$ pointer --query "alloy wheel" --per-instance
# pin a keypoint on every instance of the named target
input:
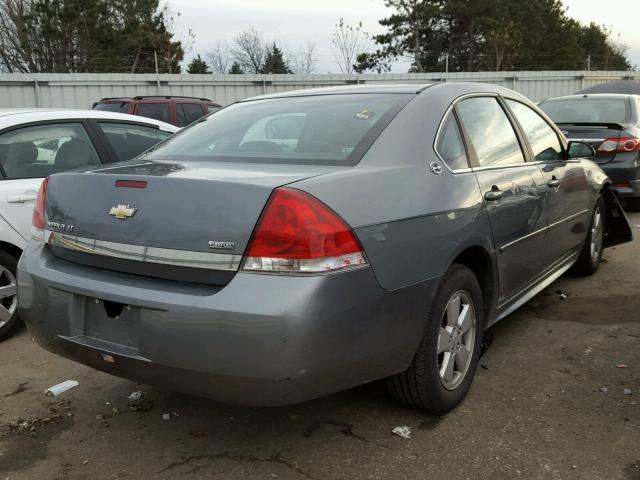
(456, 339)
(8, 295)
(596, 234)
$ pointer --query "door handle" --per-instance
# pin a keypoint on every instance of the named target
(494, 194)
(553, 183)
(21, 198)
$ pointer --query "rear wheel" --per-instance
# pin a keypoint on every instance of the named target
(9, 320)
(443, 368)
(591, 254)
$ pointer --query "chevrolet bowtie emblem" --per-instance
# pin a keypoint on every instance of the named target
(122, 212)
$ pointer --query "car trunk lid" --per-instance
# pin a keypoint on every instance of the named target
(594, 134)
(187, 222)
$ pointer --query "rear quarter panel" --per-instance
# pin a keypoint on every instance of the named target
(412, 223)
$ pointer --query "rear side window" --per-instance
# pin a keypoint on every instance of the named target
(490, 132)
(212, 108)
(34, 152)
(318, 129)
(128, 140)
(158, 111)
(188, 113)
(588, 110)
(119, 107)
(542, 138)
(450, 146)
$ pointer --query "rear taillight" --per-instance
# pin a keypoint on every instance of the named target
(39, 221)
(297, 233)
(619, 145)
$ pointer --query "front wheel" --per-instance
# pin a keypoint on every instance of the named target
(443, 368)
(9, 320)
(591, 254)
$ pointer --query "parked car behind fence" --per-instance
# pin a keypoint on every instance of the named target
(179, 111)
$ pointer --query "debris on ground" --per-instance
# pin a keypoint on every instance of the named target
(60, 388)
(136, 396)
(621, 365)
(346, 427)
(484, 367)
(604, 390)
(166, 416)
(627, 391)
(487, 340)
(99, 417)
(561, 294)
(402, 431)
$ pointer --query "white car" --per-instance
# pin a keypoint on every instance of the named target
(35, 143)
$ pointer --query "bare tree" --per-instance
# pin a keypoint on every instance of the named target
(13, 45)
(249, 50)
(303, 60)
(349, 42)
(219, 59)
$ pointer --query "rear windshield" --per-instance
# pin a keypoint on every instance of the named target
(121, 107)
(588, 110)
(320, 129)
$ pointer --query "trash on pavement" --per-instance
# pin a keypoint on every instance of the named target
(604, 389)
(621, 365)
(402, 431)
(60, 388)
(166, 416)
(627, 391)
(561, 294)
(135, 396)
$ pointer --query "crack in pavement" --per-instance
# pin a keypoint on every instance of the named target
(237, 457)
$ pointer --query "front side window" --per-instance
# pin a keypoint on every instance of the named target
(450, 146)
(542, 138)
(35, 152)
(490, 132)
(318, 129)
(188, 113)
(158, 111)
(128, 140)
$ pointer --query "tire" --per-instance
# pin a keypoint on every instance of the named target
(422, 386)
(591, 254)
(9, 318)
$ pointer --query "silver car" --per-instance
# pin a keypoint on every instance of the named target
(298, 244)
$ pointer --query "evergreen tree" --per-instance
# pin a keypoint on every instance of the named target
(198, 65)
(489, 35)
(87, 36)
(236, 69)
(274, 62)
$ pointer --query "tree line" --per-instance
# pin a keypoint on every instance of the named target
(139, 36)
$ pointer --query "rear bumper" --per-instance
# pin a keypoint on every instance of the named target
(260, 340)
(624, 174)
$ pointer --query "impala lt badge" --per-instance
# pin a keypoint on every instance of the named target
(222, 245)
(122, 212)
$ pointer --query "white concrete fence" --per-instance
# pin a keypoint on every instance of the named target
(80, 90)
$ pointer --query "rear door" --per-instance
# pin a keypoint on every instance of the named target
(156, 110)
(188, 112)
(565, 182)
(513, 192)
(30, 153)
(128, 140)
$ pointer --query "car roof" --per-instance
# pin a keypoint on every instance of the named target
(18, 116)
(618, 86)
(582, 96)
(345, 89)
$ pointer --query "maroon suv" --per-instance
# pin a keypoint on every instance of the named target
(179, 111)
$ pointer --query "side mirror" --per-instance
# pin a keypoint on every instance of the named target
(580, 150)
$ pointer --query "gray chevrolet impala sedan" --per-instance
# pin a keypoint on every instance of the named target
(297, 244)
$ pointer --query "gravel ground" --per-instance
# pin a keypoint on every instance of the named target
(538, 409)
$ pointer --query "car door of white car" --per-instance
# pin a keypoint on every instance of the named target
(30, 153)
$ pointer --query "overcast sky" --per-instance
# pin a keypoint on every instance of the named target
(294, 22)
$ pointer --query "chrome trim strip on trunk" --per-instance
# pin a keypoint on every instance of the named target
(141, 253)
